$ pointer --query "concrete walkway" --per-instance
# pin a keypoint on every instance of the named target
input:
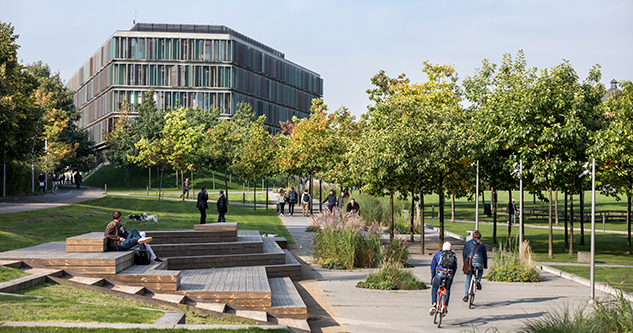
(66, 195)
(502, 305)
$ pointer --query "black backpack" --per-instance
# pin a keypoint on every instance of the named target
(141, 257)
(293, 196)
(306, 197)
(448, 259)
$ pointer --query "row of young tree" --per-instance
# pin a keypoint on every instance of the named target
(37, 120)
(417, 138)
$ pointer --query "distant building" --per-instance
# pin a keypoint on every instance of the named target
(202, 66)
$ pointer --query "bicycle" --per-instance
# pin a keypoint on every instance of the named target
(472, 289)
(440, 306)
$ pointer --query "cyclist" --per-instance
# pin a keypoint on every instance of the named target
(443, 265)
(479, 259)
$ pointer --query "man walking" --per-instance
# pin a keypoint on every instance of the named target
(185, 188)
(202, 204)
(78, 180)
(512, 208)
(222, 207)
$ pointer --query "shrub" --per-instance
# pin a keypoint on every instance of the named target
(342, 242)
(509, 267)
(396, 252)
(376, 210)
(614, 315)
(402, 224)
(392, 277)
(565, 320)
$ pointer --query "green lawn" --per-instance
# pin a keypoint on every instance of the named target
(24, 229)
(239, 197)
(8, 274)
(610, 248)
(617, 277)
(130, 330)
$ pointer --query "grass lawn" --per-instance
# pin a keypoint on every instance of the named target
(8, 274)
(130, 330)
(610, 248)
(24, 229)
(617, 277)
(240, 197)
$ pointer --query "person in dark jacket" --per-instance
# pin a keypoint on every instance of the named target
(203, 197)
(353, 206)
(512, 208)
(331, 200)
(440, 270)
(42, 183)
(222, 207)
(78, 180)
(480, 260)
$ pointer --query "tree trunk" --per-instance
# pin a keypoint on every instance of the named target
(226, 188)
(182, 188)
(582, 216)
(160, 186)
(441, 210)
(320, 195)
(266, 190)
(452, 207)
(150, 178)
(421, 212)
(571, 222)
(550, 242)
(127, 177)
(510, 218)
(392, 221)
(483, 199)
(254, 196)
(556, 205)
(192, 175)
(213, 180)
(412, 210)
(534, 200)
(565, 219)
(230, 176)
(628, 223)
(176, 178)
(248, 185)
(494, 214)
(311, 197)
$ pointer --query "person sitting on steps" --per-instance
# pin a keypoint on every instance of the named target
(120, 239)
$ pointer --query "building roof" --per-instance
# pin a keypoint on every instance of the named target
(195, 28)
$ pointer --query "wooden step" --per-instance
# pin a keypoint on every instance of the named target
(215, 307)
(285, 299)
(252, 314)
(241, 286)
(242, 245)
(90, 242)
(282, 242)
(150, 276)
(173, 298)
(92, 281)
(291, 268)
(11, 263)
(226, 226)
(297, 325)
(37, 276)
(134, 290)
(272, 255)
(191, 236)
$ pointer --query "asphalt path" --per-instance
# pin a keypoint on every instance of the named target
(66, 195)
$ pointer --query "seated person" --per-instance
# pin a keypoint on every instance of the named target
(120, 239)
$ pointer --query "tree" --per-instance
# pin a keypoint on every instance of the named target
(613, 149)
(121, 141)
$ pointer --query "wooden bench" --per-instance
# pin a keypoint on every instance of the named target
(225, 226)
(90, 242)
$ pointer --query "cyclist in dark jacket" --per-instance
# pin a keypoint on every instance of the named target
(441, 270)
(480, 260)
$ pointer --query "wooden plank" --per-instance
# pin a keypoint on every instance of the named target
(226, 226)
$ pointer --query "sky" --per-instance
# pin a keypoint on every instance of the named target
(348, 42)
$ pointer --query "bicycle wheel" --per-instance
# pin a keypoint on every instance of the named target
(441, 307)
(471, 293)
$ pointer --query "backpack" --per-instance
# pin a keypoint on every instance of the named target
(141, 257)
(293, 196)
(448, 259)
(306, 197)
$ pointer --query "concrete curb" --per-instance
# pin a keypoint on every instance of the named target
(141, 326)
(599, 286)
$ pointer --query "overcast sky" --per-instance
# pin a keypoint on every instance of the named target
(347, 42)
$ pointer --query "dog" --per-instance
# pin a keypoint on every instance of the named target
(143, 217)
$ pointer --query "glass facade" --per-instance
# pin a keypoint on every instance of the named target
(206, 67)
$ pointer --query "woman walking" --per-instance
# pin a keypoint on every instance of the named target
(281, 202)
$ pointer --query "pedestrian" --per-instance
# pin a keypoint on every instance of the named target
(306, 199)
(78, 180)
(292, 200)
(331, 200)
(353, 206)
(476, 251)
(54, 181)
(185, 188)
(342, 200)
(222, 207)
(203, 197)
(42, 183)
(281, 202)
(512, 208)
(443, 265)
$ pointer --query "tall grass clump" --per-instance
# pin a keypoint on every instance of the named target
(341, 242)
(392, 275)
(614, 315)
(509, 266)
(376, 210)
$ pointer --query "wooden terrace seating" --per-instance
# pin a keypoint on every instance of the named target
(90, 242)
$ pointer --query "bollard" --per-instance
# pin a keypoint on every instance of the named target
(243, 197)
(106, 188)
(602, 222)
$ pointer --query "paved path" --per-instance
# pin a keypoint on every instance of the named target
(502, 305)
(66, 195)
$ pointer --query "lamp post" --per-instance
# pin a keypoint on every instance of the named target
(518, 170)
(476, 197)
(592, 274)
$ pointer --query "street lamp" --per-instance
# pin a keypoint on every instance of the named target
(518, 170)
(592, 274)
(476, 197)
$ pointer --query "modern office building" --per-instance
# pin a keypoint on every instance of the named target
(195, 66)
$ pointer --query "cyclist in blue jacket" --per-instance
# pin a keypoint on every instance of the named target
(444, 264)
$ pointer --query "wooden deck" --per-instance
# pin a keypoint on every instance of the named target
(153, 276)
(191, 236)
(90, 242)
(291, 268)
(54, 255)
(286, 300)
(226, 226)
(240, 286)
(244, 244)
